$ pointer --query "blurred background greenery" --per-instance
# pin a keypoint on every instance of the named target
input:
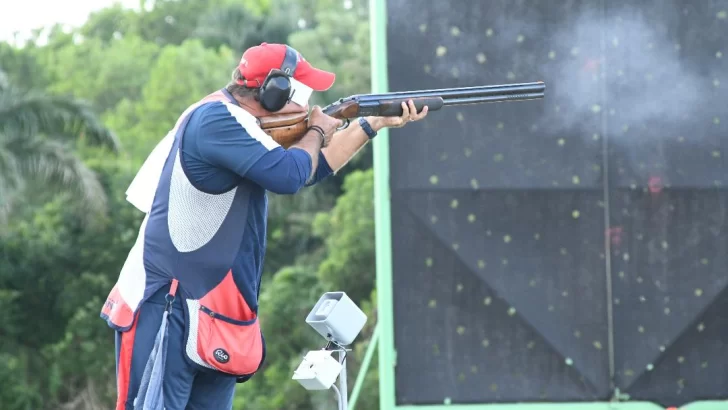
(80, 111)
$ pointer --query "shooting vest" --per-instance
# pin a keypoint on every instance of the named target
(189, 239)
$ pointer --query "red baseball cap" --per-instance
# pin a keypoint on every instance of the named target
(257, 62)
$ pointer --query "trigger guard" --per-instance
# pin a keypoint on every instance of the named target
(345, 126)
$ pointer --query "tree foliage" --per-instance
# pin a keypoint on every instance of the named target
(105, 72)
(133, 72)
(37, 133)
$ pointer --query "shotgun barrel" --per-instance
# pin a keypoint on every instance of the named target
(535, 89)
(389, 104)
(494, 98)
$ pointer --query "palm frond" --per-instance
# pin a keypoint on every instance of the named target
(33, 113)
(52, 166)
(10, 181)
(4, 81)
(9, 169)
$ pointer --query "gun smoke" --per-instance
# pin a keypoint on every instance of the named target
(627, 68)
(626, 64)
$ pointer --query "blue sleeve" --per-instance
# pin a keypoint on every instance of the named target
(322, 171)
(267, 175)
(228, 137)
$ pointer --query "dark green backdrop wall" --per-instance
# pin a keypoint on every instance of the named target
(558, 250)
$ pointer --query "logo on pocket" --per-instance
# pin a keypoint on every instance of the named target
(221, 355)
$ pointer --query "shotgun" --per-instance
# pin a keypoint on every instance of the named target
(287, 129)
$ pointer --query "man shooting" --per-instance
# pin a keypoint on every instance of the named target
(185, 305)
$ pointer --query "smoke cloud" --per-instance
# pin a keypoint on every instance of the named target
(627, 67)
(623, 67)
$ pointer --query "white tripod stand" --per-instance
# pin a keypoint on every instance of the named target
(338, 320)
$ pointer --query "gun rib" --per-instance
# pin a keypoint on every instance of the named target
(498, 91)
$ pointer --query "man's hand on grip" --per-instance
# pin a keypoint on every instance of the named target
(326, 123)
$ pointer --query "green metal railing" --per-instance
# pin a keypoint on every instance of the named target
(361, 377)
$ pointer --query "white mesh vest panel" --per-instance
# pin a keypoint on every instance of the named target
(191, 344)
(194, 216)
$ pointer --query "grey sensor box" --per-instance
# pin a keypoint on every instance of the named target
(337, 318)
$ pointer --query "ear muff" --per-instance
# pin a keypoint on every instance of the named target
(275, 92)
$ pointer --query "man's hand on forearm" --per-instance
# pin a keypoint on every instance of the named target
(348, 142)
(322, 128)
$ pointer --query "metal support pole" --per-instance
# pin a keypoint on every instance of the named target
(343, 390)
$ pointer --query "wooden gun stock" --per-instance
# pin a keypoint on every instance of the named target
(288, 129)
(285, 129)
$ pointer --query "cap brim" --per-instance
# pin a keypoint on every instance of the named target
(318, 80)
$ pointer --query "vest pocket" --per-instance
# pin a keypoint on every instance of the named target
(222, 343)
